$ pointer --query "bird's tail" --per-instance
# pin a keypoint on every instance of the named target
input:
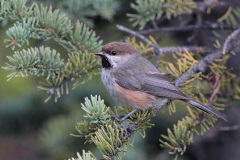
(206, 109)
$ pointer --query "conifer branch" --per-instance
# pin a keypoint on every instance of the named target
(231, 37)
(151, 10)
(203, 63)
(163, 50)
(214, 26)
(39, 62)
(40, 22)
(44, 23)
(87, 10)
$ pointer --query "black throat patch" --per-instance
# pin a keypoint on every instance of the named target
(105, 63)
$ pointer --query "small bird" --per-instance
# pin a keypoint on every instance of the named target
(136, 82)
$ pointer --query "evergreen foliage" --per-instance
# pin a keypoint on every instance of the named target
(36, 61)
(104, 131)
(86, 10)
(40, 22)
(206, 78)
(151, 10)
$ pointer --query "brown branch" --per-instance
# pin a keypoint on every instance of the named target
(184, 48)
(136, 34)
(163, 50)
(231, 37)
(214, 26)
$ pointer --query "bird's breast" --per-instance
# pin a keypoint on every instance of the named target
(132, 98)
(108, 81)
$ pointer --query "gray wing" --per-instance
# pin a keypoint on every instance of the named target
(152, 83)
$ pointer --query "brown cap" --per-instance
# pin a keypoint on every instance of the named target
(120, 48)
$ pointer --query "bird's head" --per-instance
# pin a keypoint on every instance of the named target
(116, 53)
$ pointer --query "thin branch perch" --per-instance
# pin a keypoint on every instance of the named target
(163, 50)
(214, 26)
(228, 39)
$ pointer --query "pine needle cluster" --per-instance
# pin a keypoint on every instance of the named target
(44, 23)
(204, 77)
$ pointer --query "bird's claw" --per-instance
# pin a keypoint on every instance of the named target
(116, 118)
(122, 118)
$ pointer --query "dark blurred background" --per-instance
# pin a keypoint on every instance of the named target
(32, 129)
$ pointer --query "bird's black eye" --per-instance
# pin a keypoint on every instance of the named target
(114, 53)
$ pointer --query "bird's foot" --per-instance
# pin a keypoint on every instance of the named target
(122, 118)
(116, 118)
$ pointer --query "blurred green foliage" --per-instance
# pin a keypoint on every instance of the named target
(22, 108)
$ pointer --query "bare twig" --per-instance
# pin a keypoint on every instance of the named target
(145, 39)
(214, 26)
(185, 48)
(228, 39)
(163, 50)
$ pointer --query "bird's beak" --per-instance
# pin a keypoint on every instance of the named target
(99, 54)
